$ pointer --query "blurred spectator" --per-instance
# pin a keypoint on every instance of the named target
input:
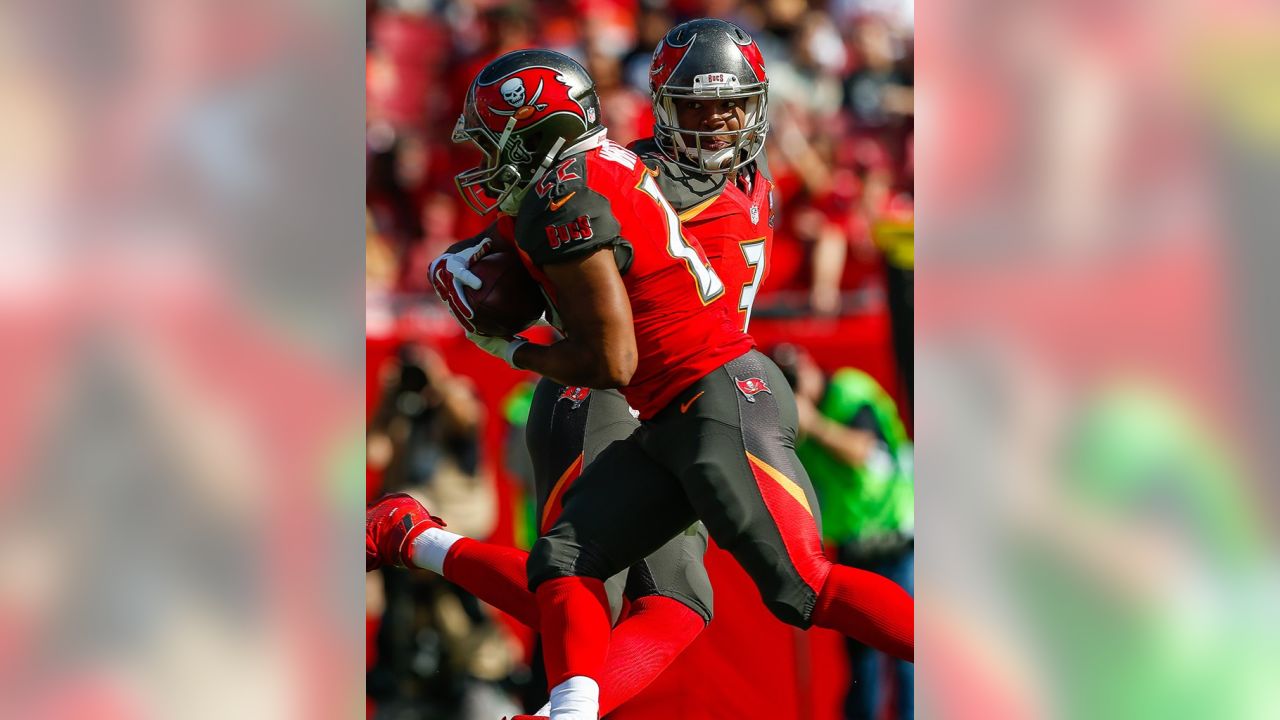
(899, 14)
(624, 110)
(515, 411)
(856, 451)
(837, 161)
(428, 419)
(841, 106)
(380, 262)
(894, 234)
(438, 651)
(652, 24)
(807, 76)
(877, 92)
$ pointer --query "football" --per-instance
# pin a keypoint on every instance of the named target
(509, 299)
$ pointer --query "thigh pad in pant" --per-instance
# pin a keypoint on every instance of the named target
(568, 429)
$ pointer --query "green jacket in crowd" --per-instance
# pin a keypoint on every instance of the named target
(861, 502)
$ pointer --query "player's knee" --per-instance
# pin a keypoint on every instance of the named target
(693, 599)
(686, 604)
(554, 556)
(790, 613)
(704, 607)
(544, 563)
(793, 606)
(792, 591)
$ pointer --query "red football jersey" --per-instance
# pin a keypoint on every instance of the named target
(606, 197)
(734, 227)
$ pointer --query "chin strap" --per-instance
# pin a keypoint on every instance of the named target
(511, 203)
(714, 162)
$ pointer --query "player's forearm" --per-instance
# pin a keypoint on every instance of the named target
(599, 349)
(848, 445)
(828, 263)
(571, 363)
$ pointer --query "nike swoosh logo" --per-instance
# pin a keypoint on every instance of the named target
(557, 204)
(684, 406)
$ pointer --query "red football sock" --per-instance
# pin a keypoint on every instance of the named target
(644, 644)
(869, 608)
(495, 574)
(575, 628)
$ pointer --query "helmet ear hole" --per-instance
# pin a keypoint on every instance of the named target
(533, 139)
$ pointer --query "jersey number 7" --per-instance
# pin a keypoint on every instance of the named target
(753, 251)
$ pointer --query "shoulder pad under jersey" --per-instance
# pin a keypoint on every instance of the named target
(681, 188)
(563, 218)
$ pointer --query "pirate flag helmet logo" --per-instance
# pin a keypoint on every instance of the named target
(523, 111)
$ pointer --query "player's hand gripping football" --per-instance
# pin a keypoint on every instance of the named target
(450, 272)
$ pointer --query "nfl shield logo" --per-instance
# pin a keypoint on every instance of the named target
(755, 214)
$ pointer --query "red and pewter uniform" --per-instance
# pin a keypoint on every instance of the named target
(606, 197)
(718, 441)
(734, 227)
(568, 427)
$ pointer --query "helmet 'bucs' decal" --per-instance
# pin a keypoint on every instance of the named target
(671, 50)
(752, 387)
(530, 95)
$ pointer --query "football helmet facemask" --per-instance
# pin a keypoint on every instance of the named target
(709, 59)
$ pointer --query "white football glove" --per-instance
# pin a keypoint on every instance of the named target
(450, 272)
(501, 348)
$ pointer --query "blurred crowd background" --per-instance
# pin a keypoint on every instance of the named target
(181, 306)
(840, 150)
(446, 423)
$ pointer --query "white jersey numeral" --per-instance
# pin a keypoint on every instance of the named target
(710, 286)
(753, 252)
(611, 150)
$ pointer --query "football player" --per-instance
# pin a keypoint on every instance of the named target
(712, 129)
(668, 594)
(706, 154)
(638, 303)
